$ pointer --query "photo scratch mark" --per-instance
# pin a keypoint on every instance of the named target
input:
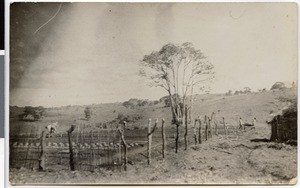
(49, 19)
(237, 17)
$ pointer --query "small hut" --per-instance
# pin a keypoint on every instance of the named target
(284, 125)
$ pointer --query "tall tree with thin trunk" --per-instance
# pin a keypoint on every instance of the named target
(180, 70)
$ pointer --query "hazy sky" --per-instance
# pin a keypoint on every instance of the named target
(90, 52)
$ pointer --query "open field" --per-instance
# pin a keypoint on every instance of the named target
(247, 106)
(239, 158)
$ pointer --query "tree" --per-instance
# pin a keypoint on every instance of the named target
(166, 100)
(278, 85)
(247, 90)
(133, 103)
(87, 113)
(180, 70)
(228, 93)
(32, 113)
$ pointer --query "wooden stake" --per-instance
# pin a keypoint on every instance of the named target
(206, 128)
(186, 129)
(216, 128)
(163, 134)
(209, 127)
(177, 138)
(149, 136)
(149, 139)
(195, 132)
(42, 165)
(225, 130)
(121, 131)
(199, 133)
(71, 152)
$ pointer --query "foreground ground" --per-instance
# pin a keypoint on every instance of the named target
(242, 158)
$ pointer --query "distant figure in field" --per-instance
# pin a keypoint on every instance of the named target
(240, 123)
(251, 125)
(52, 128)
(254, 122)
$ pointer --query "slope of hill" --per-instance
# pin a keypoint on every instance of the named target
(247, 106)
(238, 158)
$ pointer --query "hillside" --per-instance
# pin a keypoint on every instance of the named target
(247, 106)
(241, 157)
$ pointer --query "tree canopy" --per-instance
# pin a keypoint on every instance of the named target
(32, 113)
(88, 113)
(179, 69)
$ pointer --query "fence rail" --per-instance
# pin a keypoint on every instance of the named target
(91, 150)
(108, 148)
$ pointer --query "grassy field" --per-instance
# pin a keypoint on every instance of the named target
(241, 158)
(247, 106)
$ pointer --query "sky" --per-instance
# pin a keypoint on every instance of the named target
(89, 53)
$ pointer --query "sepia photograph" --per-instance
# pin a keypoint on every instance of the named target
(153, 93)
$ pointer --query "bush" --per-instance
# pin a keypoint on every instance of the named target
(87, 113)
(155, 102)
(129, 119)
(32, 113)
(134, 103)
(278, 85)
(167, 100)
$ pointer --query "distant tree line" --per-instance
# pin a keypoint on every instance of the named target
(239, 92)
(32, 113)
(276, 86)
(135, 103)
(119, 120)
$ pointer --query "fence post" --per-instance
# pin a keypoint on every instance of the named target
(210, 123)
(42, 165)
(186, 129)
(206, 128)
(81, 140)
(163, 134)
(177, 137)
(209, 127)
(195, 131)
(225, 130)
(149, 138)
(71, 148)
(121, 131)
(216, 128)
(120, 145)
(199, 133)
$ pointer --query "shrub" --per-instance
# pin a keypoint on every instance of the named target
(133, 103)
(129, 119)
(32, 113)
(278, 85)
(87, 113)
(167, 100)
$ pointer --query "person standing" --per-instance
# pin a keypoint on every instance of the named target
(241, 123)
(254, 122)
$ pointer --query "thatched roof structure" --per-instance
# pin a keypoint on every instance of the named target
(284, 124)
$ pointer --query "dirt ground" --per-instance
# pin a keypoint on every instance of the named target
(242, 158)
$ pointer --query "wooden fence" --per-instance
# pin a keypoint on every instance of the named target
(108, 148)
(78, 151)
